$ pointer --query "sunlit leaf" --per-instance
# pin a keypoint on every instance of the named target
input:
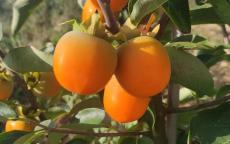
(190, 72)
(6, 111)
(28, 59)
(30, 138)
(91, 116)
(141, 8)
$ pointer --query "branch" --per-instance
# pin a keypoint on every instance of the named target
(85, 133)
(173, 102)
(110, 20)
(206, 105)
(159, 130)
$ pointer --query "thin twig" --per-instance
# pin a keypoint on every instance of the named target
(226, 37)
(86, 133)
(202, 106)
(225, 34)
(110, 19)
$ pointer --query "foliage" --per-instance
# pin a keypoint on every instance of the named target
(75, 118)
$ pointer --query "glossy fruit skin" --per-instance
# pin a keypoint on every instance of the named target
(47, 85)
(83, 63)
(122, 106)
(88, 10)
(6, 89)
(143, 66)
(19, 125)
(116, 5)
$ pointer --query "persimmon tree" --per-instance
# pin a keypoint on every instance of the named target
(128, 72)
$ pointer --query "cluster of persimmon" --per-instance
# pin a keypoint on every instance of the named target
(40, 84)
(84, 64)
(130, 75)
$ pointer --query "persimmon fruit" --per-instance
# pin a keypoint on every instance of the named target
(47, 85)
(88, 10)
(116, 5)
(143, 66)
(6, 89)
(19, 125)
(83, 63)
(122, 106)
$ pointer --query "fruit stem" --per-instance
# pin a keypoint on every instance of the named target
(110, 20)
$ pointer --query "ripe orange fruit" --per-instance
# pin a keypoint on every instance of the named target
(47, 85)
(20, 125)
(143, 66)
(83, 63)
(6, 89)
(116, 5)
(88, 10)
(122, 106)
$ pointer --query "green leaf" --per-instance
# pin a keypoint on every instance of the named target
(47, 123)
(1, 31)
(212, 126)
(88, 103)
(6, 111)
(184, 119)
(30, 138)
(144, 140)
(144, 7)
(178, 11)
(75, 25)
(205, 16)
(78, 141)
(222, 9)
(186, 95)
(130, 5)
(128, 140)
(211, 56)
(55, 111)
(91, 116)
(21, 11)
(55, 138)
(28, 60)
(191, 41)
(182, 137)
(190, 72)
(10, 137)
(223, 91)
